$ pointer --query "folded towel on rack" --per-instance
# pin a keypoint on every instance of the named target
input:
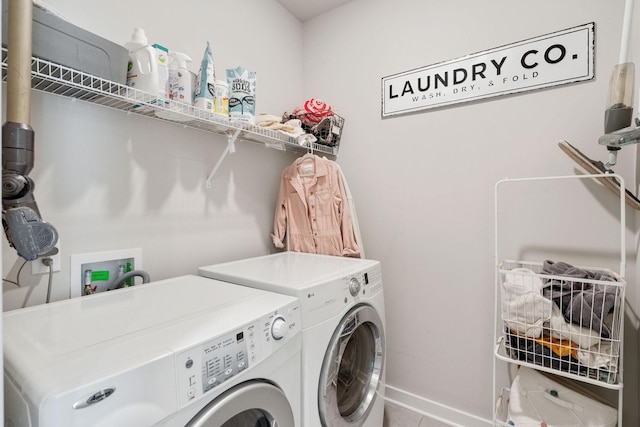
(264, 119)
(291, 127)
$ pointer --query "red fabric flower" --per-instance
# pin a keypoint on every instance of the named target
(313, 111)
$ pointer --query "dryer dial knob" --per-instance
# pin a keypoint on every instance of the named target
(354, 287)
(279, 328)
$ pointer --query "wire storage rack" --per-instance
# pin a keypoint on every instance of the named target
(571, 325)
(562, 319)
(57, 79)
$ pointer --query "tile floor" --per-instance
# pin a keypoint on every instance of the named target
(397, 416)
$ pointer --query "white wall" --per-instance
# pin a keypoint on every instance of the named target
(107, 180)
(423, 183)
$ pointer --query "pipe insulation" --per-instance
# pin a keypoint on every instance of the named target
(19, 61)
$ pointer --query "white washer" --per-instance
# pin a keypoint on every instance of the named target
(343, 341)
(186, 351)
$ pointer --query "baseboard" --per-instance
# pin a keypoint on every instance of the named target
(432, 409)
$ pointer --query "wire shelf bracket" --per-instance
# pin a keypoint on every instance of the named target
(230, 149)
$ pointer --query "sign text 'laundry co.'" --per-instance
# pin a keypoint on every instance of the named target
(551, 60)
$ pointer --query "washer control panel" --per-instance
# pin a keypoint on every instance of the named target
(224, 358)
(205, 367)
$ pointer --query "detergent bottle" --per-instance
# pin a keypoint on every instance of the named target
(162, 59)
(142, 71)
(180, 78)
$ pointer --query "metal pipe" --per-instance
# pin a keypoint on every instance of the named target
(19, 61)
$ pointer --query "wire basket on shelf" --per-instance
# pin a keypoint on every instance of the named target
(569, 323)
(325, 126)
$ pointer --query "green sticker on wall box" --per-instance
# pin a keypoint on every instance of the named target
(100, 276)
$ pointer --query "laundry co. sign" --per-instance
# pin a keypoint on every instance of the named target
(554, 59)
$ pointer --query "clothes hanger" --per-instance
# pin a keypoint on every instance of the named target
(307, 164)
(308, 155)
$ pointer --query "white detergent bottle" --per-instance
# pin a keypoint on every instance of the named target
(181, 90)
(173, 75)
(142, 71)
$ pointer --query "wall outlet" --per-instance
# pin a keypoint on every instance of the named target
(37, 267)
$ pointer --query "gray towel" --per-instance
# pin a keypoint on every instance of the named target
(583, 304)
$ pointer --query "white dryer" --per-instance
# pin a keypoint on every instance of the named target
(186, 351)
(343, 340)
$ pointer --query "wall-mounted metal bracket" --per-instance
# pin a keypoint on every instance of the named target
(231, 148)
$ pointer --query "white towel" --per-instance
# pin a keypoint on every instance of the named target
(580, 336)
(524, 309)
(600, 356)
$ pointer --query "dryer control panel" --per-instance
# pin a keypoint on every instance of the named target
(207, 366)
(364, 282)
(325, 300)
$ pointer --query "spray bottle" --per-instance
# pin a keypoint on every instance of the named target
(180, 78)
(142, 71)
(162, 58)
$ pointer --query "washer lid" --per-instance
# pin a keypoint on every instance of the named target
(67, 326)
(286, 272)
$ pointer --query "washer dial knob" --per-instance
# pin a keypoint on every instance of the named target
(279, 328)
(354, 287)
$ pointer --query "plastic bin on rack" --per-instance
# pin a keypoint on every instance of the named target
(57, 40)
(536, 399)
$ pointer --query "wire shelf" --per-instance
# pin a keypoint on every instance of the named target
(57, 79)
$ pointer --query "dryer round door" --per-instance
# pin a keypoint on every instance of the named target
(352, 368)
(249, 404)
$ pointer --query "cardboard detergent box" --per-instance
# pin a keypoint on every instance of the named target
(63, 43)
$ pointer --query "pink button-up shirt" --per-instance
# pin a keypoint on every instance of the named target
(313, 210)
